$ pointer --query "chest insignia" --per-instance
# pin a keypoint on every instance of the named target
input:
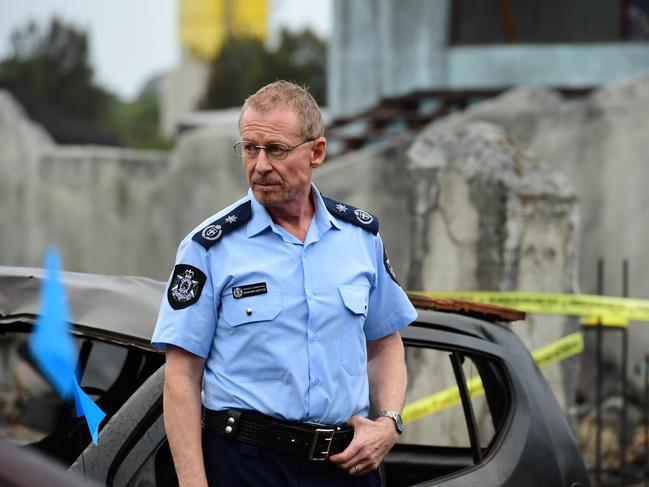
(213, 232)
(353, 215)
(239, 292)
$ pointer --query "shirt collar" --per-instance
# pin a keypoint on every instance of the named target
(323, 218)
(261, 220)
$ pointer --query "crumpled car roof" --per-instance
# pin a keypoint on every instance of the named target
(123, 308)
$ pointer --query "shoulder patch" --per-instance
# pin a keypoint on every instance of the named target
(213, 232)
(186, 286)
(389, 268)
(353, 215)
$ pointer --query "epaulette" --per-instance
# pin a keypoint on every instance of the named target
(213, 232)
(352, 215)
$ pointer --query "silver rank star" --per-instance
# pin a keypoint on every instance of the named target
(231, 219)
(340, 207)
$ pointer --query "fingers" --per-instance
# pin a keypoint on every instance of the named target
(370, 444)
(357, 470)
(345, 459)
(358, 458)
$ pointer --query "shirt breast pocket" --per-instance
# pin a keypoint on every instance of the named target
(264, 307)
(353, 347)
(251, 346)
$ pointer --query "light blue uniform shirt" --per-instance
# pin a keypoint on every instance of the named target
(298, 350)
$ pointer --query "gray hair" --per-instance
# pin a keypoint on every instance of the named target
(294, 96)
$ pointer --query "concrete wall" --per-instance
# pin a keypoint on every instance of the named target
(21, 145)
(108, 210)
(601, 144)
(488, 218)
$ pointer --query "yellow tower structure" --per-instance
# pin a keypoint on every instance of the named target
(204, 25)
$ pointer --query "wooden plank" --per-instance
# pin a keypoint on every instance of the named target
(488, 312)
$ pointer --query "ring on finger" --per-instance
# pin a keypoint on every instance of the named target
(355, 468)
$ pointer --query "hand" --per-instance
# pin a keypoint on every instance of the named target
(372, 442)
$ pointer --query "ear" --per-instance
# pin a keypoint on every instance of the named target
(318, 152)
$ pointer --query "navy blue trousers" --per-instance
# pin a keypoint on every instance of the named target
(229, 463)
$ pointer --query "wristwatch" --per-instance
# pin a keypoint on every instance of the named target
(394, 416)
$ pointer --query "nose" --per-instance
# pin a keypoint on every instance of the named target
(263, 166)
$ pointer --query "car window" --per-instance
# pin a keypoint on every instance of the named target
(442, 421)
(444, 433)
(28, 404)
(430, 372)
(31, 413)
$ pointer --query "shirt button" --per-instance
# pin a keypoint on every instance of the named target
(248, 311)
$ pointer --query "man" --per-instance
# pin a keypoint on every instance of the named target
(284, 310)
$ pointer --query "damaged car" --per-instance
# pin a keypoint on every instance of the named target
(514, 433)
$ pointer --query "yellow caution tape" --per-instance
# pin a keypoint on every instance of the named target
(557, 351)
(560, 350)
(607, 310)
(605, 321)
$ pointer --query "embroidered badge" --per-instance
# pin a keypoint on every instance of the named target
(212, 232)
(239, 292)
(388, 267)
(186, 286)
(353, 215)
(216, 230)
(364, 217)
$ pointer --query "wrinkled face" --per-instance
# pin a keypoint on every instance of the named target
(286, 182)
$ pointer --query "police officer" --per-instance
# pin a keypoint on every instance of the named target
(280, 322)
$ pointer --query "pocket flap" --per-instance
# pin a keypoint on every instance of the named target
(264, 307)
(355, 297)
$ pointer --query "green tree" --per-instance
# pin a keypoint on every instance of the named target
(54, 65)
(301, 57)
(135, 123)
(245, 65)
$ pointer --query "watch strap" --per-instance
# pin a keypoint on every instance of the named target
(394, 416)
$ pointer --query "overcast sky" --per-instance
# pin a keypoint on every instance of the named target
(132, 40)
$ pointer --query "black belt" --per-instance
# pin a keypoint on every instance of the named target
(315, 442)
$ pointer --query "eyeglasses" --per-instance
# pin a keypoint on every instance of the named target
(276, 152)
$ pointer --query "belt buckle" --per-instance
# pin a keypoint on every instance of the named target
(322, 455)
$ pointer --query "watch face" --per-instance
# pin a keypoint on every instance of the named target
(399, 423)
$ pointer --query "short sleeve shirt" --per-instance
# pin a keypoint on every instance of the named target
(283, 324)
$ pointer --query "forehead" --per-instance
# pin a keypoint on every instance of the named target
(276, 122)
